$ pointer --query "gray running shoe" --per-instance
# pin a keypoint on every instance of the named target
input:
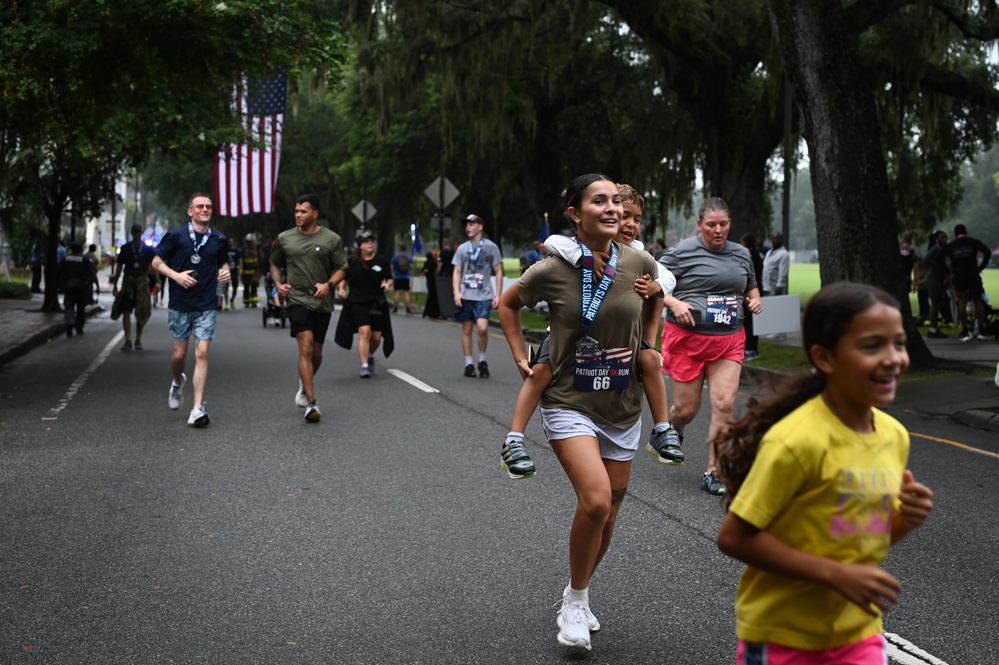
(515, 460)
(712, 485)
(666, 446)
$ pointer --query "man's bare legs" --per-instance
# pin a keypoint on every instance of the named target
(310, 357)
(178, 359)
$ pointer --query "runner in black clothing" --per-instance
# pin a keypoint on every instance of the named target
(966, 278)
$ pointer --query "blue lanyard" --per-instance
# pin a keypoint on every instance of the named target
(473, 256)
(592, 300)
(190, 231)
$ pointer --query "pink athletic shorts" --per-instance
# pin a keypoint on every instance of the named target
(870, 651)
(685, 352)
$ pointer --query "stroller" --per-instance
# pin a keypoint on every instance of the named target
(275, 310)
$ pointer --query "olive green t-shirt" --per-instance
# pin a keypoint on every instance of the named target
(618, 325)
(309, 259)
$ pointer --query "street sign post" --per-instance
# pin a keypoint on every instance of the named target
(441, 192)
(364, 211)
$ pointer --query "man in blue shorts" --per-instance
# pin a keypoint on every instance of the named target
(474, 263)
(196, 260)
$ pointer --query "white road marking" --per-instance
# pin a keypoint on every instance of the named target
(413, 381)
(905, 652)
(82, 379)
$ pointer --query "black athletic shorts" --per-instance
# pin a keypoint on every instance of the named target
(968, 283)
(302, 318)
(366, 314)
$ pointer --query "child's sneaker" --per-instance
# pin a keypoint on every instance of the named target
(515, 460)
(665, 445)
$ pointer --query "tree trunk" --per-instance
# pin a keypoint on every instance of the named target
(855, 218)
(51, 302)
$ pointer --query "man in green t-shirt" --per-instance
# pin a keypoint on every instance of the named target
(314, 259)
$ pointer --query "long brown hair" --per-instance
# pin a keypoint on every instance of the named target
(828, 316)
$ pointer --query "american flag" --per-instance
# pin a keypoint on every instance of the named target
(246, 175)
(621, 356)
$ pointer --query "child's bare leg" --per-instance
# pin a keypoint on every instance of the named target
(654, 385)
(529, 397)
(514, 457)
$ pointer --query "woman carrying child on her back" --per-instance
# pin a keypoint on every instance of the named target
(818, 490)
(592, 409)
(664, 441)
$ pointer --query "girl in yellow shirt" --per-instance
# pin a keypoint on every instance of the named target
(818, 490)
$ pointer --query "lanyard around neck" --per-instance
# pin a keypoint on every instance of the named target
(592, 300)
(194, 241)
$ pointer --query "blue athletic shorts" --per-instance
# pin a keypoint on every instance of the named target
(473, 309)
(185, 324)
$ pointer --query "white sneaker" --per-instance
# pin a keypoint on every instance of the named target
(176, 397)
(591, 620)
(312, 414)
(199, 417)
(573, 630)
(997, 375)
(300, 398)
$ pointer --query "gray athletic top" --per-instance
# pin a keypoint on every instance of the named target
(476, 263)
(712, 283)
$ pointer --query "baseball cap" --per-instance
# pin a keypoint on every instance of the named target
(473, 218)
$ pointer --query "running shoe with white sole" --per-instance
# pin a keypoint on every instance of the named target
(300, 399)
(176, 397)
(591, 619)
(573, 629)
(199, 417)
(312, 414)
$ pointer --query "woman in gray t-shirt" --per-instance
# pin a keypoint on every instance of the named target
(703, 337)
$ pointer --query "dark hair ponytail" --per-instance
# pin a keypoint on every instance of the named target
(828, 316)
(738, 443)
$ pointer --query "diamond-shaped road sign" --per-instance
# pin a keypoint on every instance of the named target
(434, 193)
(361, 208)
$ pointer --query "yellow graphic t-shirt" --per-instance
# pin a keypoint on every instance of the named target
(821, 488)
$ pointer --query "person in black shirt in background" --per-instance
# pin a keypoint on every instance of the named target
(366, 311)
(966, 276)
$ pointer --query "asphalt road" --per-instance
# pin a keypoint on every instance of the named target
(387, 533)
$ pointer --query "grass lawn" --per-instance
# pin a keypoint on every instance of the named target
(803, 279)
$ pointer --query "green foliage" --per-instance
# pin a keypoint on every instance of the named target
(14, 290)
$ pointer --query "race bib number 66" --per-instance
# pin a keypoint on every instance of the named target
(602, 369)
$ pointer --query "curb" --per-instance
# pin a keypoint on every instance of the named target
(979, 419)
(41, 337)
(762, 377)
